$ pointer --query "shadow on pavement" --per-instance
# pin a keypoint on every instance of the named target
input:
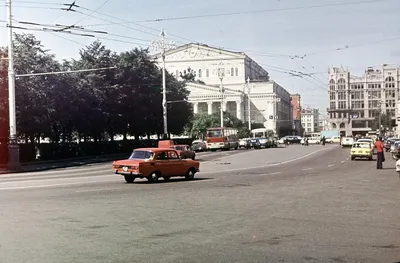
(173, 180)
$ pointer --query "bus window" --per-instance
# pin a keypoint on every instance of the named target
(214, 133)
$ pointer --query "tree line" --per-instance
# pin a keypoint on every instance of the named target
(96, 105)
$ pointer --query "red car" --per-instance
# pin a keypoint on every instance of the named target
(153, 163)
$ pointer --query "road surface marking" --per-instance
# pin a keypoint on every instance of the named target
(275, 173)
(51, 185)
(96, 190)
(331, 165)
(56, 179)
(342, 161)
(307, 169)
(268, 165)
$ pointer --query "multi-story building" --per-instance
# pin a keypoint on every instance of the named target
(355, 103)
(310, 120)
(215, 67)
(296, 113)
(323, 122)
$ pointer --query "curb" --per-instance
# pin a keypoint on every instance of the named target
(63, 163)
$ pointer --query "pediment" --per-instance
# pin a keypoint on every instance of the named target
(198, 52)
(201, 90)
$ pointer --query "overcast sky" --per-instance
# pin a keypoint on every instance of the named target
(272, 38)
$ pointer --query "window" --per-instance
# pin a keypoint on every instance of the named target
(177, 73)
(214, 134)
(390, 82)
(357, 104)
(232, 72)
(207, 73)
(341, 95)
(357, 95)
(341, 84)
(141, 155)
(332, 105)
(199, 73)
(332, 96)
(162, 156)
(373, 104)
(172, 155)
(237, 72)
(342, 105)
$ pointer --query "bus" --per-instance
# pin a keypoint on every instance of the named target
(222, 138)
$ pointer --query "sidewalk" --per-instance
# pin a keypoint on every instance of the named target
(64, 163)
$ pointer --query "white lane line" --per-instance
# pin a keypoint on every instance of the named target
(96, 190)
(56, 179)
(342, 162)
(268, 165)
(275, 173)
(330, 165)
(73, 174)
(52, 185)
(307, 169)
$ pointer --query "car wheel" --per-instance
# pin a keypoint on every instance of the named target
(370, 158)
(352, 158)
(129, 179)
(153, 177)
(190, 174)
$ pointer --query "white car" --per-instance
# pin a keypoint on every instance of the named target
(311, 140)
(347, 141)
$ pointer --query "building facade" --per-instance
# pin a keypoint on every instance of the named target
(310, 120)
(296, 113)
(323, 122)
(215, 68)
(357, 102)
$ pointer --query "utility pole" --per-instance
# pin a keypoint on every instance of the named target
(163, 46)
(13, 148)
(221, 74)
(248, 103)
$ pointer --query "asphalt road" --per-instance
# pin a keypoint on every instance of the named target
(294, 204)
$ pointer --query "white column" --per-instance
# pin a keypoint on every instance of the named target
(224, 105)
(195, 107)
(209, 104)
(239, 110)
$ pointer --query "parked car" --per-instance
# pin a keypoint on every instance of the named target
(154, 163)
(254, 143)
(244, 143)
(389, 142)
(184, 151)
(199, 146)
(347, 141)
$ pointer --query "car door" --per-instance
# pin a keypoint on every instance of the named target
(161, 163)
(175, 165)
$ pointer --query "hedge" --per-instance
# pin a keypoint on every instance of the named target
(54, 151)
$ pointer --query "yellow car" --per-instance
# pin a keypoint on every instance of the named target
(361, 150)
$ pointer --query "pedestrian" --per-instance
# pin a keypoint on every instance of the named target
(323, 140)
(380, 157)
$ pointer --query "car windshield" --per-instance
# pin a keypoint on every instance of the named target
(361, 145)
(180, 148)
(141, 155)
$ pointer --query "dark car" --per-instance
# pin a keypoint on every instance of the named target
(390, 142)
(293, 139)
(254, 143)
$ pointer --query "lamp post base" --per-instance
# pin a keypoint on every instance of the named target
(13, 158)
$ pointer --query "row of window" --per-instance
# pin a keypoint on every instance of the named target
(343, 81)
(233, 72)
(360, 114)
(361, 104)
(359, 95)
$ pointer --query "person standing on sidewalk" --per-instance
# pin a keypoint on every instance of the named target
(380, 158)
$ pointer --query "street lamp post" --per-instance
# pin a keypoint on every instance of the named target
(380, 113)
(221, 74)
(248, 103)
(13, 149)
(163, 45)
